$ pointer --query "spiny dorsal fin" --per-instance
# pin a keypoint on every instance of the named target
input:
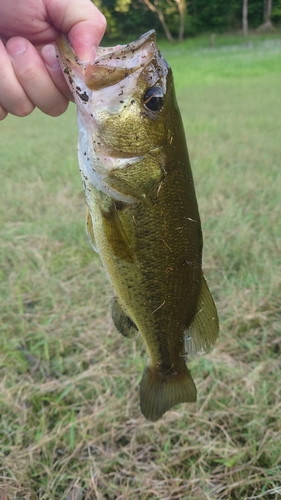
(204, 329)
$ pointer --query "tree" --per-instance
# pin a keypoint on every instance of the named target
(154, 7)
(276, 11)
(182, 12)
(267, 11)
(129, 18)
(161, 8)
(245, 17)
(267, 24)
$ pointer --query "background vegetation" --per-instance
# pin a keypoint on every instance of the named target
(193, 17)
(71, 426)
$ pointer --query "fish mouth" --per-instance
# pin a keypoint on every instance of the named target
(112, 64)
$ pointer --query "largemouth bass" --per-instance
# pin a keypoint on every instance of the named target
(142, 215)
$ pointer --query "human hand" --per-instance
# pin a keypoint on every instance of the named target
(30, 75)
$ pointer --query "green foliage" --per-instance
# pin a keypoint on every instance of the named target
(214, 15)
(276, 11)
(124, 17)
(255, 13)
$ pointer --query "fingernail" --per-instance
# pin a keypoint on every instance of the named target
(50, 56)
(16, 46)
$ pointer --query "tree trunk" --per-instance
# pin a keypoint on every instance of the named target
(161, 18)
(165, 27)
(267, 24)
(182, 9)
(268, 11)
(245, 17)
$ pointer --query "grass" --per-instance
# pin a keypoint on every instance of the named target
(70, 420)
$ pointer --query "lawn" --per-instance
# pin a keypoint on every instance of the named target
(71, 426)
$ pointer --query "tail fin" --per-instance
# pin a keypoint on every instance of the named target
(161, 391)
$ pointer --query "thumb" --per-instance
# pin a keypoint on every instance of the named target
(82, 22)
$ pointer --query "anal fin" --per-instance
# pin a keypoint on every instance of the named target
(122, 322)
(204, 329)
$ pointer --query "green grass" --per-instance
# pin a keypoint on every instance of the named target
(69, 400)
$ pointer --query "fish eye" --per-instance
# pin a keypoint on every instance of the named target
(153, 99)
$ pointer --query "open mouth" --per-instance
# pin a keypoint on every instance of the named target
(112, 64)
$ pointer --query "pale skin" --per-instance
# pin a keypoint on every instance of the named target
(30, 75)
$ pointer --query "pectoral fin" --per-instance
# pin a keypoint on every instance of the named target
(120, 185)
(204, 329)
(122, 322)
(116, 236)
(90, 230)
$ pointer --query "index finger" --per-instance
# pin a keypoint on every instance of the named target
(82, 22)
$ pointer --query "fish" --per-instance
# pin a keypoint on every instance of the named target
(142, 213)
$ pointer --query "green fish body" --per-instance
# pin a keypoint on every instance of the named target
(143, 217)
